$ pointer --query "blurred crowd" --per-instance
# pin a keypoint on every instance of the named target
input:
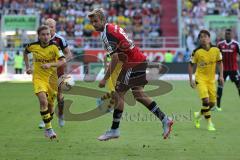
(193, 12)
(139, 17)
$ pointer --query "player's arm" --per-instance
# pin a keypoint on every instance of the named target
(26, 60)
(67, 53)
(112, 65)
(220, 67)
(60, 62)
(105, 63)
(191, 67)
(238, 48)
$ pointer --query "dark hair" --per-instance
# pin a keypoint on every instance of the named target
(41, 28)
(228, 30)
(204, 32)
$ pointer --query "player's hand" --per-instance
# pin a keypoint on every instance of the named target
(221, 80)
(46, 66)
(102, 83)
(29, 71)
(192, 84)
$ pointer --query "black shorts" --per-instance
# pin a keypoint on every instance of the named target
(233, 75)
(132, 77)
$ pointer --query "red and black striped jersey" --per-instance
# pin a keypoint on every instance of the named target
(115, 40)
(59, 41)
(229, 52)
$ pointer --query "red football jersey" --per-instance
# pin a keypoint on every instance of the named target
(62, 44)
(229, 51)
(116, 40)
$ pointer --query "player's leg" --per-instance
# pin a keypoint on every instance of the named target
(117, 114)
(60, 99)
(235, 77)
(46, 116)
(51, 97)
(152, 106)
(211, 103)
(203, 94)
(207, 113)
(220, 90)
(121, 89)
(60, 104)
(111, 82)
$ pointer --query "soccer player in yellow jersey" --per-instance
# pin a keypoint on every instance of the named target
(46, 60)
(205, 58)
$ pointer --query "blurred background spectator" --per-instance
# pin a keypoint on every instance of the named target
(193, 12)
(18, 63)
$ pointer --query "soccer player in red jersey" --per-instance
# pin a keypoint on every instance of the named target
(132, 75)
(230, 49)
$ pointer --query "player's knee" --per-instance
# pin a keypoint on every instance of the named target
(43, 103)
(211, 104)
(205, 103)
(205, 100)
(119, 100)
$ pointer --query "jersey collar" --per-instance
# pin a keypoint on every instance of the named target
(229, 42)
(54, 36)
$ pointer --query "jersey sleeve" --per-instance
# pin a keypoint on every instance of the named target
(238, 48)
(63, 43)
(193, 58)
(27, 49)
(118, 39)
(58, 53)
(219, 55)
(113, 41)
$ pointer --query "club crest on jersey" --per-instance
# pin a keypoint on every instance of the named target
(232, 46)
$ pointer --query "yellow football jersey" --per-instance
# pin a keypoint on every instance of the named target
(42, 55)
(206, 63)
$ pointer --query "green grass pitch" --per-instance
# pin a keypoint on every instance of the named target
(20, 138)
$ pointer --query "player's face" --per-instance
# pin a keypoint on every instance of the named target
(97, 23)
(204, 39)
(52, 27)
(228, 35)
(44, 36)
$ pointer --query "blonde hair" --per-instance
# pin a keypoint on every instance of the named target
(50, 21)
(99, 12)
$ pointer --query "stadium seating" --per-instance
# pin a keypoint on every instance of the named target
(193, 12)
